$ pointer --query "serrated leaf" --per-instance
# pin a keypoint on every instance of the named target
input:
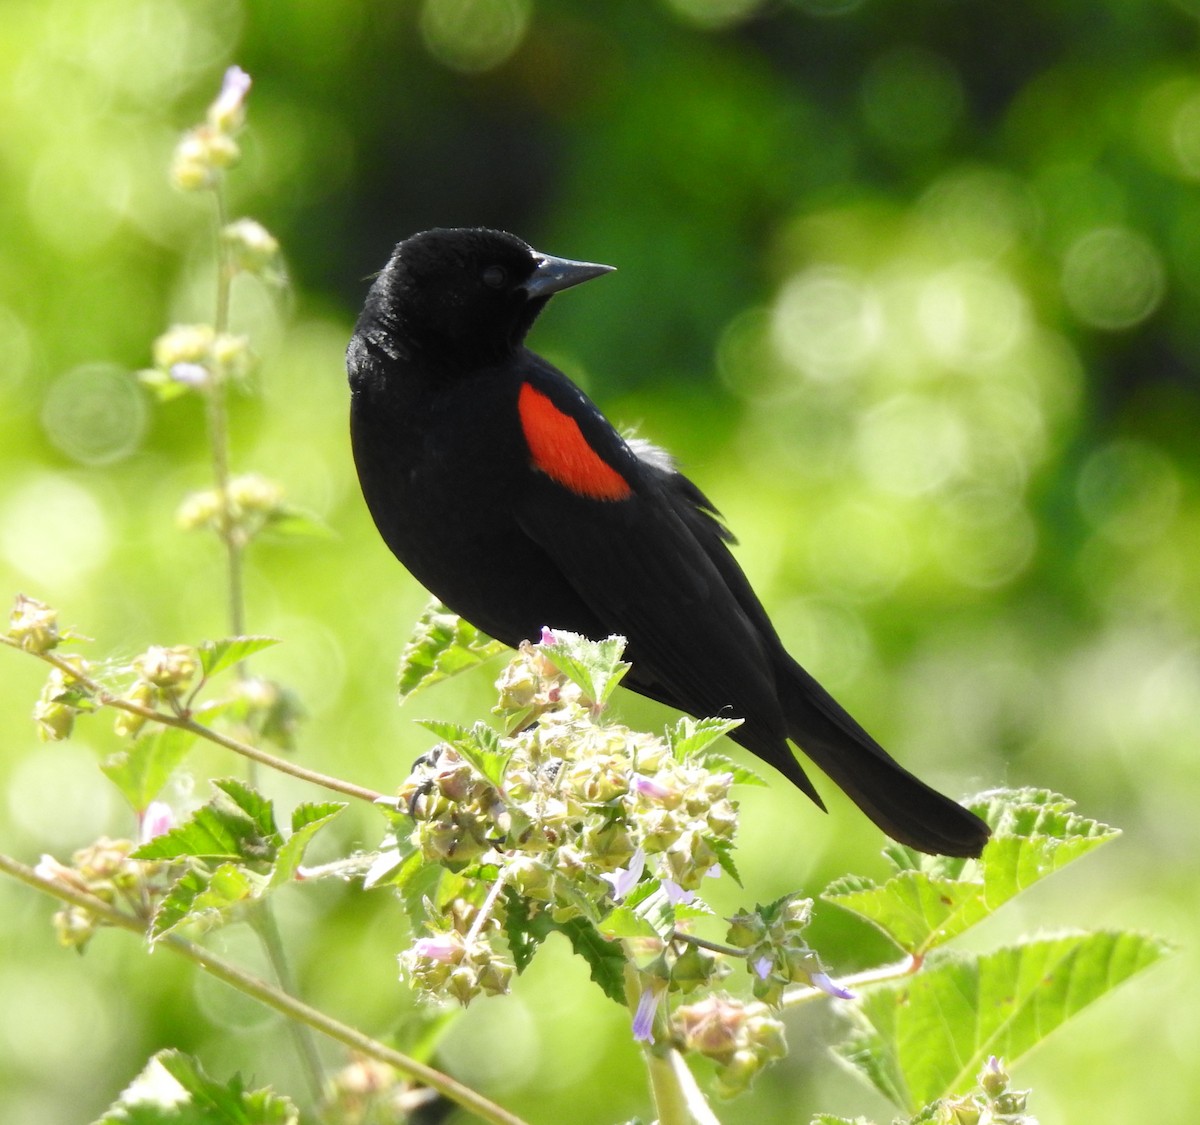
(205, 899)
(141, 771)
(927, 1036)
(172, 1089)
(442, 645)
(216, 656)
(595, 667)
(307, 821)
(481, 746)
(523, 937)
(605, 959)
(724, 850)
(934, 898)
(690, 736)
(237, 824)
(719, 763)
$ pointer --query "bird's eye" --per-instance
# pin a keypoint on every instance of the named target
(494, 277)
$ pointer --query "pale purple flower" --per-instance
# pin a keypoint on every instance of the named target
(547, 636)
(189, 374)
(676, 894)
(822, 981)
(156, 820)
(227, 109)
(648, 787)
(442, 948)
(624, 879)
(762, 967)
(643, 1020)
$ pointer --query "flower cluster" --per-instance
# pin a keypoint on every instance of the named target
(196, 357)
(104, 870)
(244, 508)
(993, 1104)
(208, 149)
(582, 807)
(456, 965)
(740, 1038)
(62, 698)
(776, 953)
(33, 625)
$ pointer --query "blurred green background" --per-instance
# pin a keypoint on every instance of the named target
(911, 289)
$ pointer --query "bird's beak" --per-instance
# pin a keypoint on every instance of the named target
(552, 274)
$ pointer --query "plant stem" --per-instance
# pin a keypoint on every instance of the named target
(263, 922)
(805, 993)
(270, 996)
(105, 698)
(677, 1098)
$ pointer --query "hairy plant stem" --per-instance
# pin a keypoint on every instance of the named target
(104, 698)
(677, 1098)
(269, 995)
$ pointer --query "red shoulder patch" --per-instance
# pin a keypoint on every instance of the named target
(558, 448)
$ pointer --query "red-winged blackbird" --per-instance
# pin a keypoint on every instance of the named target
(506, 493)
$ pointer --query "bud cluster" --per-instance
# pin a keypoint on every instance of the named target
(104, 870)
(740, 1038)
(451, 964)
(62, 698)
(993, 1104)
(196, 357)
(33, 625)
(243, 508)
(776, 952)
(208, 149)
(579, 799)
(572, 813)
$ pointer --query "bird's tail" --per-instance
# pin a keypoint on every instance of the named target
(902, 805)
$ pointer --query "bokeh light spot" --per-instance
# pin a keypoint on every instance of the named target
(59, 799)
(911, 445)
(827, 322)
(971, 312)
(860, 550)
(53, 531)
(1185, 136)
(470, 1051)
(979, 211)
(95, 414)
(714, 13)
(1129, 492)
(473, 35)
(1113, 278)
(985, 538)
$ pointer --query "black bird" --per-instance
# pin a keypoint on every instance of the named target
(505, 491)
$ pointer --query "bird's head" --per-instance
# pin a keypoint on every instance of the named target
(468, 294)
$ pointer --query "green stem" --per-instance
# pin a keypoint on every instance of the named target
(677, 1098)
(104, 698)
(263, 922)
(271, 997)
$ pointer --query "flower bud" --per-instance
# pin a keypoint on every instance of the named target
(170, 669)
(55, 721)
(253, 248)
(227, 113)
(34, 625)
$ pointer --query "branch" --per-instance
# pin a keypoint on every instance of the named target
(270, 996)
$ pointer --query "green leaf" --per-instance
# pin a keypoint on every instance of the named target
(595, 667)
(287, 522)
(216, 656)
(206, 899)
(237, 824)
(143, 769)
(172, 1089)
(481, 746)
(934, 898)
(523, 936)
(927, 1036)
(605, 959)
(442, 645)
(688, 737)
(724, 850)
(307, 821)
